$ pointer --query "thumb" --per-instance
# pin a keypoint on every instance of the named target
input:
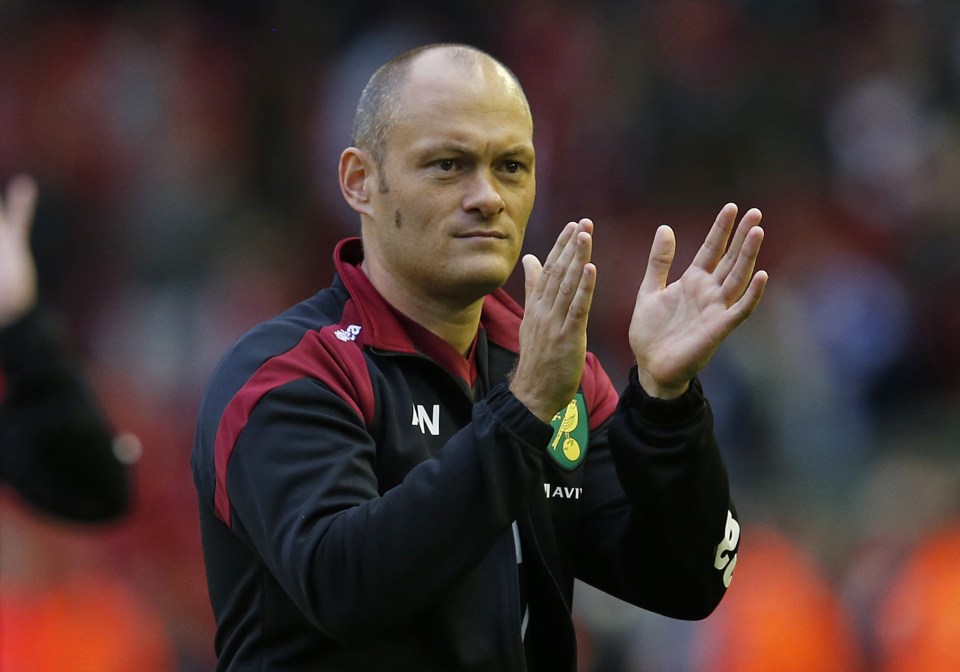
(662, 251)
(531, 274)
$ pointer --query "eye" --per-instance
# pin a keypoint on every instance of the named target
(446, 165)
(513, 167)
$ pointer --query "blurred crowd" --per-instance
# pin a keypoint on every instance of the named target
(186, 154)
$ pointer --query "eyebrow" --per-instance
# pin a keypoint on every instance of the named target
(448, 147)
(464, 150)
(524, 149)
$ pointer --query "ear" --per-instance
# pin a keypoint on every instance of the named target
(357, 179)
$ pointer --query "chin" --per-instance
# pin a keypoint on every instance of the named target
(478, 284)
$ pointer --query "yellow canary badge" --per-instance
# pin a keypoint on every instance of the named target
(570, 433)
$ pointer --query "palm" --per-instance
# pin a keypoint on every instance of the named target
(676, 328)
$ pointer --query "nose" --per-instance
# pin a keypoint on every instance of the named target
(483, 196)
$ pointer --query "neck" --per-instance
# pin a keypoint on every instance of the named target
(454, 322)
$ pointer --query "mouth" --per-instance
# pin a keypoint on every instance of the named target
(481, 234)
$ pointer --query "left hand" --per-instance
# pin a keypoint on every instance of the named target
(676, 328)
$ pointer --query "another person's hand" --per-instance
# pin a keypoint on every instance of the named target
(676, 328)
(553, 334)
(18, 273)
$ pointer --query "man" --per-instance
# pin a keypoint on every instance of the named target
(56, 445)
(380, 484)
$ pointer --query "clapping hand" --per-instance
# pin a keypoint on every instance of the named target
(677, 327)
(553, 334)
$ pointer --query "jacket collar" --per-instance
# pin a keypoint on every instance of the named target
(385, 328)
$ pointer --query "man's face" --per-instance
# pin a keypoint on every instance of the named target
(457, 182)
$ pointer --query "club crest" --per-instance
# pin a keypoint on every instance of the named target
(568, 445)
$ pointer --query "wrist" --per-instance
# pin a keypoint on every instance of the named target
(538, 409)
(657, 390)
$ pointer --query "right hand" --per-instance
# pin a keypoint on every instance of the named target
(18, 272)
(553, 333)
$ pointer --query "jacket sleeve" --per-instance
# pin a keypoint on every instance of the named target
(304, 493)
(658, 526)
(56, 445)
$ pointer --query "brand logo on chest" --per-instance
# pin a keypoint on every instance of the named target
(348, 334)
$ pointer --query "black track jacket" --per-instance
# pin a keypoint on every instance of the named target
(359, 480)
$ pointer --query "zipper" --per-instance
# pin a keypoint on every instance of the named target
(517, 619)
(553, 579)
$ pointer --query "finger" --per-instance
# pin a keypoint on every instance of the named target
(750, 219)
(21, 204)
(662, 251)
(709, 254)
(555, 278)
(747, 303)
(551, 261)
(579, 309)
(582, 249)
(737, 280)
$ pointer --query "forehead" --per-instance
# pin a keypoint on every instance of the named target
(451, 96)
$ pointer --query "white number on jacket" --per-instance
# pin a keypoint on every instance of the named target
(726, 559)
